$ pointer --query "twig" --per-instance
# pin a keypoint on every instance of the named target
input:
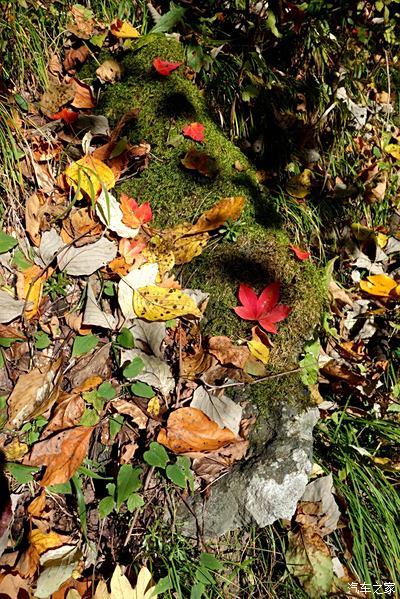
(264, 378)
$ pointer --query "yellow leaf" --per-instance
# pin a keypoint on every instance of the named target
(187, 248)
(89, 175)
(123, 29)
(42, 541)
(120, 585)
(227, 208)
(15, 450)
(381, 285)
(30, 288)
(299, 186)
(393, 150)
(153, 407)
(162, 256)
(259, 350)
(381, 240)
(158, 303)
(143, 590)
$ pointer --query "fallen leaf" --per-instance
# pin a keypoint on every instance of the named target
(194, 131)
(189, 429)
(200, 161)
(81, 21)
(222, 410)
(227, 353)
(81, 226)
(94, 316)
(123, 29)
(67, 413)
(33, 218)
(164, 67)
(264, 308)
(258, 348)
(65, 114)
(380, 285)
(186, 248)
(109, 71)
(299, 186)
(30, 288)
(144, 589)
(42, 541)
(122, 406)
(32, 394)
(90, 176)
(393, 150)
(10, 308)
(120, 586)
(133, 214)
(57, 567)
(149, 335)
(210, 466)
(226, 209)
(136, 278)
(86, 260)
(62, 453)
(75, 56)
(300, 254)
(109, 211)
(56, 95)
(157, 303)
(83, 96)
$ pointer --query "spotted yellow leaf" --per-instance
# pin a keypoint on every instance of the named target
(157, 303)
(89, 175)
(381, 285)
(259, 350)
(162, 256)
(299, 186)
(187, 248)
(153, 407)
(393, 150)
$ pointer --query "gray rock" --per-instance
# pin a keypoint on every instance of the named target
(265, 487)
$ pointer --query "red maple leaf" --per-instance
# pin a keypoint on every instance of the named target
(164, 67)
(134, 215)
(68, 116)
(300, 254)
(264, 308)
(195, 131)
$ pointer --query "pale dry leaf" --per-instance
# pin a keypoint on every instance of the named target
(58, 565)
(156, 373)
(223, 410)
(10, 308)
(32, 218)
(109, 212)
(149, 335)
(62, 453)
(223, 349)
(143, 590)
(96, 124)
(32, 394)
(321, 490)
(50, 244)
(110, 71)
(86, 260)
(123, 406)
(120, 586)
(93, 314)
(101, 591)
(135, 279)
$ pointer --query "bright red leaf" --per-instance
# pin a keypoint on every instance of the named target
(195, 131)
(264, 308)
(134, 215)
(68, 116)
(164, 67)
(300, 254)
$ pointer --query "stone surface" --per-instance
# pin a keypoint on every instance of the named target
(265, 487)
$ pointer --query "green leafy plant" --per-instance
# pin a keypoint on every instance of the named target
(84, 344)
(232, 229)
(178, 473)
(56, 285)
(309, 363)
(128, 482)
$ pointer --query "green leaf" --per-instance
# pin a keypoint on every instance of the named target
(3, 405)
(134, 368)
(115, 423)
(87, 472)
(42, 340)
(22, 474)
(81, 503)
(111, 489)
(8, 341)
(106, 506)
(83, 344)
(6, 242)
(197, 590)
(134, 501)
(142, 390)
(89, 418)
(128, 481)
(1, 364)
(106, 390)
(171, 324)
(164, 584)
(62, 488)
(176, 475)
(20, 261)
(204, 575)
(156, 455)
(22, 103)
(125, 339)
(209, 561)
(170, 19)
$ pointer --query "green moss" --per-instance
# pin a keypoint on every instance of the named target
(261, 254)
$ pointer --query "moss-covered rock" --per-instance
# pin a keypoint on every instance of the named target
(261, 254)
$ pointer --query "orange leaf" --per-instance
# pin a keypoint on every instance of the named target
(62, 453)
(195, 131)
(123, 29)
(134, 215)
(164, 67)
(189, 429)
(68, 116)
(300, 254)
(30, 287)
(380, 285)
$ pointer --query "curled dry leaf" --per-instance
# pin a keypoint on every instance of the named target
(109, 71)
(189, 429)
(75, 56)
(62, 453)
(33, 394)
(227, 353)
(83, 96)
(122, 406)
(32, 218)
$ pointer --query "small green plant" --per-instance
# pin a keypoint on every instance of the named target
(33, 429)
(56, 285)
(128, 482)
(179, 473)
(232, 229)
(96, 400)
(309, 363)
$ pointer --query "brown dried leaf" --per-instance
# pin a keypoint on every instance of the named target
(226, 209)
(74, 56)
(62, 453)
(33, 394)
(32, 218)
(56, 95)
(211, 465)
(227, 353)
(122, 406)
(188, 429)
(67, 414)
(83, 95)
